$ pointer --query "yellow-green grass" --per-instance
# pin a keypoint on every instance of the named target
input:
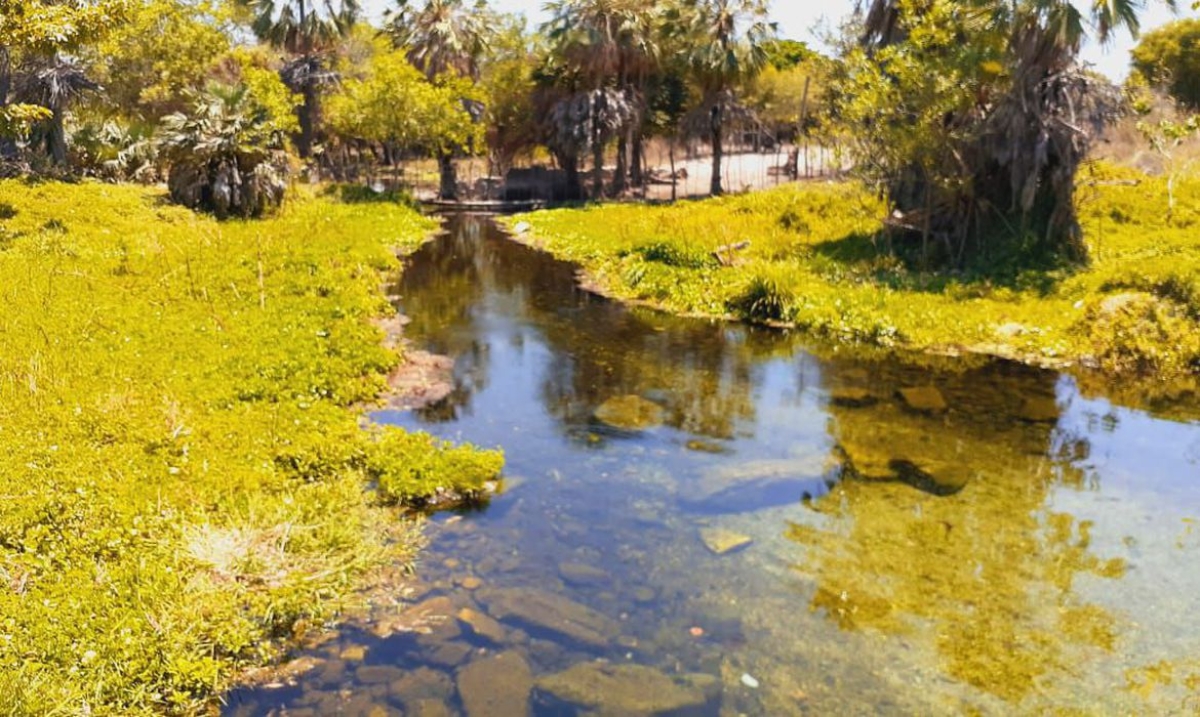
(184, 478)
(817, 259)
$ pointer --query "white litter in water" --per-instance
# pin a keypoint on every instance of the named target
(749, 681)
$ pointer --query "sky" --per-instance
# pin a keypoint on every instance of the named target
(801, 20)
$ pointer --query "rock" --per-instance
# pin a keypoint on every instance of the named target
(721, 541)
(496, 686)
(427, 708)
(482, 625)
(706, 447)
(353, 653)
(926, 399)
(760, 484)
(421, 684)
(749, 681)
(851, 397)
(626, 689)
(469, 582)
(377, 674)
(629, 413)
(548, 612)
(522, 227)
(447, 654)
(645, 595)
(1039, 409)
(582, 575)
(1011, 330)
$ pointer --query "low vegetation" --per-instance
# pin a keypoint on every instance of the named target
(819, 259)
(186, 485)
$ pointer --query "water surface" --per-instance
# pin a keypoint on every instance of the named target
(923, 536)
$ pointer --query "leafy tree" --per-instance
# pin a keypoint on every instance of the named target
(305, 30)
(394, 103)
(973, 117)
(37, 33)
(445, 39)
(724, 42)
(1169, 58)
(225, 155)
(163, 50)
(508, 86)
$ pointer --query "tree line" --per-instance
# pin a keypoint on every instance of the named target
(972, 118)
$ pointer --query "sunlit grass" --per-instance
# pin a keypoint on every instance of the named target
(184, 477)
(817, 259)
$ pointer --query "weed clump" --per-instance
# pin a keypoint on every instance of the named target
(765, 298)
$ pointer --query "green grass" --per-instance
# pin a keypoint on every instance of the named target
(818, 260)
(184, 478)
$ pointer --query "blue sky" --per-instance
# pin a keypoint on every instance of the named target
(798, 20)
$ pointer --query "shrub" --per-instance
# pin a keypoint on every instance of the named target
(226, 156)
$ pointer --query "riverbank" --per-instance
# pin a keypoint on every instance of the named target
(187, 486)
(807, 256)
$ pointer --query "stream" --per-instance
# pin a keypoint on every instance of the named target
(703, 518)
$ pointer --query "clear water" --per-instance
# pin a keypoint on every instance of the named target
(1025, 549)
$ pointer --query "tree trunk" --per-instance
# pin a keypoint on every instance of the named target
(309, 116)
(618, 184)
(717, 150)
(574, 187)
(637, 176)
(56, 139)
(449, 184)
(8, 146)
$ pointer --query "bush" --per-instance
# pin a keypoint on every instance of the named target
(226, 156)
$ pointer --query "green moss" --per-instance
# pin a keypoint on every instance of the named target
(818, 259)
(183, 475)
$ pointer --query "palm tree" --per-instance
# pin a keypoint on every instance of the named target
(1022, 147)
(444, 37)
(55, 84)
(305, 29)
(609, 43)
(224, 155)
(724, 42)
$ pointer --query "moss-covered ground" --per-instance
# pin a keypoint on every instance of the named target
(184, 477)
(818, 259)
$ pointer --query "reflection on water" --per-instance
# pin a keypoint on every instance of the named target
(772, 530)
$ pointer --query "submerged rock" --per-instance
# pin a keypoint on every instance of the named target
(1039, 409)
(721, 541)
(926, 399)
(760, 484)
(421, 684)
(582, 575)
(496, 686)
(627, 690)
(548, 612)
(852, 397)
(428, 708)
(482, 625)
(629, 413)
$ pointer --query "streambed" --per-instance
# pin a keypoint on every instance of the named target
(710, 519)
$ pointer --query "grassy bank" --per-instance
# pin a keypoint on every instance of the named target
(817, 260)
(184, 478)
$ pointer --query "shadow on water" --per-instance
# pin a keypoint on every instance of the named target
(702, 518)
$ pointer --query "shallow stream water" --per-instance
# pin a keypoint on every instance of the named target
(921, 536)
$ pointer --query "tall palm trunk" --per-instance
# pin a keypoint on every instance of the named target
(619, 184)
(309, 115)
(717, 150)
(638, 160)
(574, 188)
(449, 177)
(56, 138)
